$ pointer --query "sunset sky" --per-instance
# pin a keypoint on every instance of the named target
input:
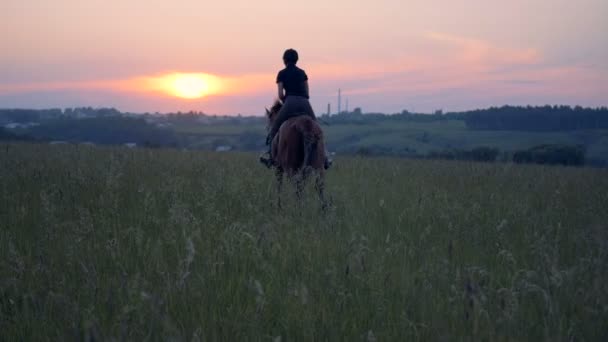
(221, 57)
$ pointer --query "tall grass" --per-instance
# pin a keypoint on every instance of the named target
(113, 243)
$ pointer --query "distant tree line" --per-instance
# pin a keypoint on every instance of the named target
(27, 115)
(546, 118)
(193, 117)
(105, 130)
(6, 135)
(37, 115)
(358, 117)
(482, 154)
(552, 154)
(568, 155)
(543, 118)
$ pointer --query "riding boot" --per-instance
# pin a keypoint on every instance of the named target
(328, 161)
(266, 157)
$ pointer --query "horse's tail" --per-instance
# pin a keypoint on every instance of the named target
(311, 137)
(310, 151)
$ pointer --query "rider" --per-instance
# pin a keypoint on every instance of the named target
(292, 85)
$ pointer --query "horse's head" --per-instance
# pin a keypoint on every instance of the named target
(272, 113)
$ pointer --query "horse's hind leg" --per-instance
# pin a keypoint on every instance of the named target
(299, 187)
(301, 181)
(279, 176)
(320, 187)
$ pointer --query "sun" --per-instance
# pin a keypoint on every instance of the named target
(187, 85)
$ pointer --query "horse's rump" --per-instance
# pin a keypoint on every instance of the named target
(298, 144)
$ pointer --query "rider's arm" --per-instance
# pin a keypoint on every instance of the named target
(306, 88)
(281, 91)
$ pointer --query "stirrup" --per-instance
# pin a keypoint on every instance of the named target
(266, 159)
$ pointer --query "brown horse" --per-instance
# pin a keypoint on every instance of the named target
(298, 150)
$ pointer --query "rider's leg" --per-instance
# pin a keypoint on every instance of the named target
(282, 116)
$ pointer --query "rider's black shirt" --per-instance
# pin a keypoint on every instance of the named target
(293, 79)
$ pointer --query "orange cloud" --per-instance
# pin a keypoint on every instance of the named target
(179, 84)
(469, 62)
(451, 65)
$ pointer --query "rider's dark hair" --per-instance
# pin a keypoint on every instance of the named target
(290, 56)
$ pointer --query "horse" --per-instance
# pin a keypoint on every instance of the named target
(298, 150)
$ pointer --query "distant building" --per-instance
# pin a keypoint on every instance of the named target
(16, 125)
(12, 125)
(223, 148)
(204, 120)
(131, 145)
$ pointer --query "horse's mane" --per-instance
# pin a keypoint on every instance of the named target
(276, 106)
(274, 110)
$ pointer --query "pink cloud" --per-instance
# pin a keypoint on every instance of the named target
(476, 51)
(477, 66)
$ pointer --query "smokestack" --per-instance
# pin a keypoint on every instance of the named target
(339, 101)
(328, 109)
(347, 104)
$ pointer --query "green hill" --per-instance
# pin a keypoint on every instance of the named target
(402, 138)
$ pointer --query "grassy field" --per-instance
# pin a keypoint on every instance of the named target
(134, 244)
